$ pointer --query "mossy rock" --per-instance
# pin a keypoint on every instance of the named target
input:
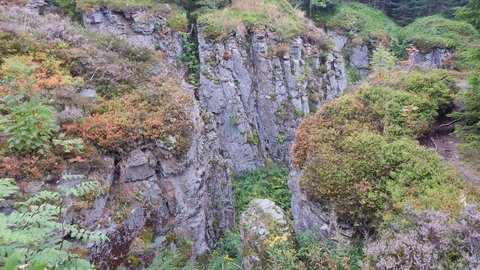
(263, 226)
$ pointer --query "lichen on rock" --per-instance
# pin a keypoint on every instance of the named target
(263, 226)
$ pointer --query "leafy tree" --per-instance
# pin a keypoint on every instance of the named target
(34, 235)
(30, 125)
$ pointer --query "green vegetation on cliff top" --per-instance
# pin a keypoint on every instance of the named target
(278, 15)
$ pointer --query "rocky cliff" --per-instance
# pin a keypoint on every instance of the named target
(258, 89)
(254, 90)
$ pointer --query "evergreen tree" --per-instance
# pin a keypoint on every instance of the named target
(470, 13)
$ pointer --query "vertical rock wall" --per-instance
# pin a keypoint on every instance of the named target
(258, 89)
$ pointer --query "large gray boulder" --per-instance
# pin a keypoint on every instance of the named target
(262, 225)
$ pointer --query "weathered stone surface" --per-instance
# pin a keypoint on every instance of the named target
(359, 57)
(436, 58)
(90, 93)
(140, 165)
(190, 197)
(258, 94)
(141, 28)
(261, 225)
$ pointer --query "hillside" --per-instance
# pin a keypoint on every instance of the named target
(240, 134)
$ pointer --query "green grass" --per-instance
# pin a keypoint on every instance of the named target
(360, 22)
(269, 182)
(438, 32)
(278, 15)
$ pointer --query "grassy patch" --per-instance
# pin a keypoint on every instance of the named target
(360, 22)
(279, 15)
(269, 182)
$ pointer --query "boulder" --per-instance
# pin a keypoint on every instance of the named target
(262, 225)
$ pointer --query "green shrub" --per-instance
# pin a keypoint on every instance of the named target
(33, 233)
(399, 113)
(364, 178)
(359, 155)
(278, 15)
(432, 32)
(29, 125)
(361, 22)
(269, 182)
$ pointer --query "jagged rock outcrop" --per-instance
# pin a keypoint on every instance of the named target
(258, 89)
(140, 27)
(357, 53)
(262, 225)
(147, 192)
(436, 58)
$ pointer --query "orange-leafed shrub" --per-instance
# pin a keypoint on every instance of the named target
(160, 111)
(32, 167)
(33, 74)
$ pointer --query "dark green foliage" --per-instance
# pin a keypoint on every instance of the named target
(405, 11)
(438, 32)
(30, 125)
(190, 58)
(69, 7)
(269, 182)
(34, 232)
(470, 13)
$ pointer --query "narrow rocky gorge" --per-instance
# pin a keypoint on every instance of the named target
(254, 90)
(252, 95)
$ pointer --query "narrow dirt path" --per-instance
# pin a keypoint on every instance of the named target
(446, 144)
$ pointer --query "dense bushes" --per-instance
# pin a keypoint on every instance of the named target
(269, 182)
(149, 114)
(361, 23)
(278, 15)
(50, 57)
(430, 239)
(438, 32)
(358, 155)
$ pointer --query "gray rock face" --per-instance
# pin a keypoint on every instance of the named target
(437, 58)
(141, 28)
(358, 53)
(312, 216)
(259, 93)
(259, 225)
(148, 190)
(359, 58)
